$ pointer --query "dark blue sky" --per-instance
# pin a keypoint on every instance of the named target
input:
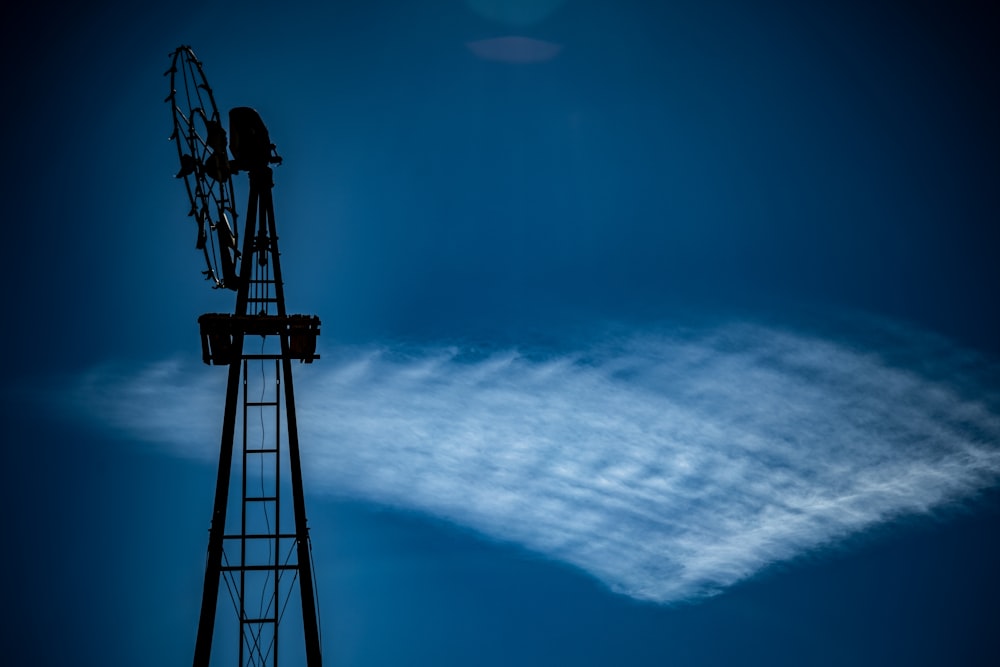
(695, 272)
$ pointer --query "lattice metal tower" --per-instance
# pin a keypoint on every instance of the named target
(258, 559)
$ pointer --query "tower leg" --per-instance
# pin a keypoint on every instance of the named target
(309, 622)
(213, 566)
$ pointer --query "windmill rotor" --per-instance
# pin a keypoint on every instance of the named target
(204, 167)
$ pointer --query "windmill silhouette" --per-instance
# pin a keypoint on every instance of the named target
(260, 559)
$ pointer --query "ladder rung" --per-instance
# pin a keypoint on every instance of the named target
(260, 536)
(261, 451)
(257, 568)
(260, 499)
(258, 620)
(258, 404)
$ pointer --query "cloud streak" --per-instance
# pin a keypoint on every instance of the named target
(669, 466)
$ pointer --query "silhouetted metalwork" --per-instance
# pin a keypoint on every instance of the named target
(254, 562)
(201, 147)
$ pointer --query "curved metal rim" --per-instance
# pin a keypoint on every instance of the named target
(211, 198)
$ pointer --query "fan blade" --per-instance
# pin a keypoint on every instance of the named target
(188, 166)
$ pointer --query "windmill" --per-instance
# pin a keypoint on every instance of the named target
(260, 558)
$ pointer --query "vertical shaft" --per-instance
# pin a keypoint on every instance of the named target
(309, 620)
(213, 566)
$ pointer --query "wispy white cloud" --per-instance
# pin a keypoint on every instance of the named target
(668, 466)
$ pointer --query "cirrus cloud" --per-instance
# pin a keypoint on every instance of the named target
(669, 466)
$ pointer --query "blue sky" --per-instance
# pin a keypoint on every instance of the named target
(650, 334)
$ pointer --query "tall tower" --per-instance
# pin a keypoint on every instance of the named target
(259, 556)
